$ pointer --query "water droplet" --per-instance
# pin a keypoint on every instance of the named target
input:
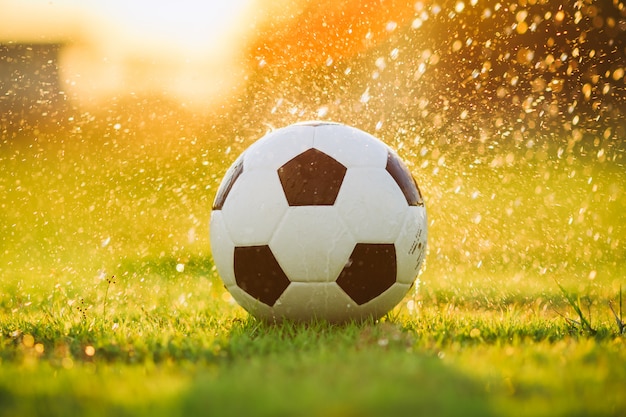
(391, 26)
(365, 97)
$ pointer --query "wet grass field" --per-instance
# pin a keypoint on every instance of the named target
(110, 304)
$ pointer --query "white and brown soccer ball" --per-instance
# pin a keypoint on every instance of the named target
(318, 221)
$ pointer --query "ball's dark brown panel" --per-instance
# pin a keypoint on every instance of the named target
(258, 273)
(371, 269)
(312, 179)
(227, 183)
(404, 179)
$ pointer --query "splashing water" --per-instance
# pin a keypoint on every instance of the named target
(512, 116)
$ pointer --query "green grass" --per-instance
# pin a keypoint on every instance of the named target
(517, 251)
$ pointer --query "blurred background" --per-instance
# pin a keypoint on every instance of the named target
(118, 119)
(537, 64)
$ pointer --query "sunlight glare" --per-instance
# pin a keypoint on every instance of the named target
(188, 50)
(187, 25)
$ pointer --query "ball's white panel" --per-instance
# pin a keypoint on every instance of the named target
(386, 301)
(411, 244)
(316, 123)
(251, 305)
(222, 248)
(372, 205)
(352, 147)
(274, 149)
(306, 301)
(309, 301)
(254, 207)
(312, 244)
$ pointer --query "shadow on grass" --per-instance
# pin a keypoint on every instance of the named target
(325, 370)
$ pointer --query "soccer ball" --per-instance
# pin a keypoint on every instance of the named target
(318, 221)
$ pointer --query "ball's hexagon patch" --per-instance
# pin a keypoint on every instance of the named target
(312, 244)
(401, 174)
(312, 179)
(254, 207)
(371, 205)
(258, 273)
(227, 183)
(370, 271)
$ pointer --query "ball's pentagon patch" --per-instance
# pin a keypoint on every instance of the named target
(258, 273)
(401, 174)
(370, 270)
(312, 179)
